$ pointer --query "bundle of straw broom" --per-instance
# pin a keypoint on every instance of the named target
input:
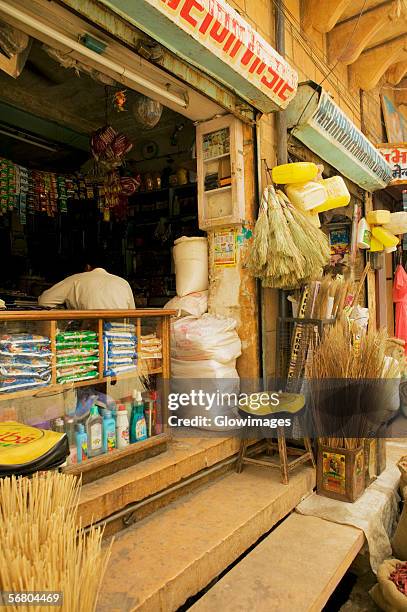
(287, 248)
(42, 547)
(350, 380)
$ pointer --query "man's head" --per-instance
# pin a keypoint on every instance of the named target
(92, 259)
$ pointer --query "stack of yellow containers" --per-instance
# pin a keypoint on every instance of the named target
(381, 238)
(308, 193)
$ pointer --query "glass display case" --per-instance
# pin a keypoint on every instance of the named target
(99, 376)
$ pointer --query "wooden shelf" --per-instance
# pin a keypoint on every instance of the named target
(109, 463)
(48, 390)
(210, 159)
(218, 190)
(80, 315)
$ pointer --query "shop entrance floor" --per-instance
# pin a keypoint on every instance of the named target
(176, 552)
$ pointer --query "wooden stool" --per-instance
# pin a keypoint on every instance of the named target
(290, 404)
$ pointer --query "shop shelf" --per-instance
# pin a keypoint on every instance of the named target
(110, 463)
(218, 189)
(48, 322)
(210, 159)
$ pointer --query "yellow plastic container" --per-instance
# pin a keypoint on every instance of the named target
(298, 172)
(385, 237)
(337, 194)
(306, 196)
(378, 217)
(375, 245)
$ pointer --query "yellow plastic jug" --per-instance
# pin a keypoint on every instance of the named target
(375, 245)
(298, 172)
(337, 194)
(306, 196)
(378, 217)
(385, 237)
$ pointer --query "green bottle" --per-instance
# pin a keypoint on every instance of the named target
(138, 427)
(94, 429)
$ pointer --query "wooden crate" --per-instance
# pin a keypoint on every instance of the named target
(381, 455)
(341, 472)
(370, 449)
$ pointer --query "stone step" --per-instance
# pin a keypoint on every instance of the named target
(184, 458)
(294, 569)
(158, 564)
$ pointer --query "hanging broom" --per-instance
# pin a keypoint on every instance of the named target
(308, 238)
(313, 234)
(42, 547)
(258, 253)
(285, 264)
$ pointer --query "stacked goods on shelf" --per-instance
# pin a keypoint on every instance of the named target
(120, 348)
(35, 191)
(25, 362)
(77, 356)
(150, 351)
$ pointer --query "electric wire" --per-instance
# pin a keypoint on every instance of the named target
(331, 69)
(321, 62)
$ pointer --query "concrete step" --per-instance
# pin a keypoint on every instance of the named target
(294, 569)
(184, 458)
(176, 552)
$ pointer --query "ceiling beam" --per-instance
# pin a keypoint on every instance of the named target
(322, 14)
(367, 71)
(396, 72)
(347, 40)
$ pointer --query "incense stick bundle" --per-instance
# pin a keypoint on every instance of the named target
(43, 549)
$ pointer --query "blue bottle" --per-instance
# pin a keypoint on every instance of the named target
(81, 443)
(109, 432)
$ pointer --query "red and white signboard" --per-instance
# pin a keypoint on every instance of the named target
(396, 156)
(213, 36)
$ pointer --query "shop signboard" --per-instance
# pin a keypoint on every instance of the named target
(211, 35)
(396, 156)
(325, 129)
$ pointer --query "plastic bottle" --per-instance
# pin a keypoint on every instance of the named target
(364, 234)
(94, 426)
(109, 432)
(138, 427)
(157, 412)
(81, 444)
(306, 196)
(378, 217)
(385, 237)
(337, 194)
(299, 172)
(122, 428)
(375, 245)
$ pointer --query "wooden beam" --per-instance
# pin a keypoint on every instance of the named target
(367, 71)
(396, 72)
(322, 14)
(347, 40)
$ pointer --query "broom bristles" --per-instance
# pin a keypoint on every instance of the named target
(43, 549)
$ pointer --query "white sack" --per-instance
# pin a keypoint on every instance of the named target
(205, 337)
(191, 265)
(195, 304)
